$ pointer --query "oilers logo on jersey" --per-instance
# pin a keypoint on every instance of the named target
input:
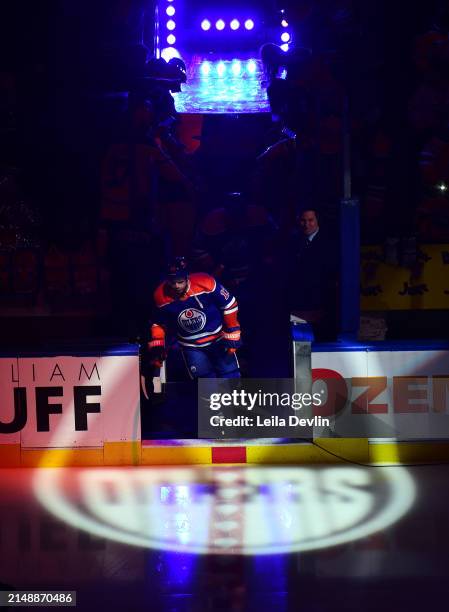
(198, 316)
(203, 317)
(192, 320)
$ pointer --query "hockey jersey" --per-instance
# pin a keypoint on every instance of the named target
(199, 317)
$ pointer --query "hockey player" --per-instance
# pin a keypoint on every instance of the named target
(203, 315)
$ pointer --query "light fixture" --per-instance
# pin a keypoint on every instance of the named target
(220, 24)
(251, 66)
(205, 68)
(205, 25)
(221, 68)
(284, 23)
(284, 47)
(169, 53)
(235, 24)
(249, 24)
(171, 39)
(171, 25)
(285, 37)
(236, 67)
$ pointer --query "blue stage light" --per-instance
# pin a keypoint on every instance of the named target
(235, 24)
(251, 66)
(221, 68)
(284, 23)
(170, 11)
(220, 24)
(171, 25)
(284, 47)
(249, 24)
(285, 37)
(171, 39)
(236, 67)
(205, 25)
(168, 53)
(205, 68)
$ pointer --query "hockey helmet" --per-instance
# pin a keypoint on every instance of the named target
(177, 269)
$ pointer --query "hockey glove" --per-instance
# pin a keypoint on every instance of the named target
(231, 339)
(157, 353)
(157, 356)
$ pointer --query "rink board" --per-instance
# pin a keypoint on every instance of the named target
(113, 437)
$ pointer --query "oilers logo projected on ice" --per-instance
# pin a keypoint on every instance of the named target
(192, 320)
(228, 510)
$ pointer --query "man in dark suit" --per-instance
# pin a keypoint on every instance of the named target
(312, 274)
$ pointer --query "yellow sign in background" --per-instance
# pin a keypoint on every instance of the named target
(422, 285)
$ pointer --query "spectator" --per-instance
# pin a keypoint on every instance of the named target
(311, 275)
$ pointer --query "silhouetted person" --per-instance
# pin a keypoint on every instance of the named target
(311, 275)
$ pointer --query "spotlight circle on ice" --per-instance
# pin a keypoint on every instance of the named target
(171, 39)
(285, 37)
(235, 24)
(220, 24)
(170, 11)
(249, 24)
(205, 25)
(298, 508)
(171, 25)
